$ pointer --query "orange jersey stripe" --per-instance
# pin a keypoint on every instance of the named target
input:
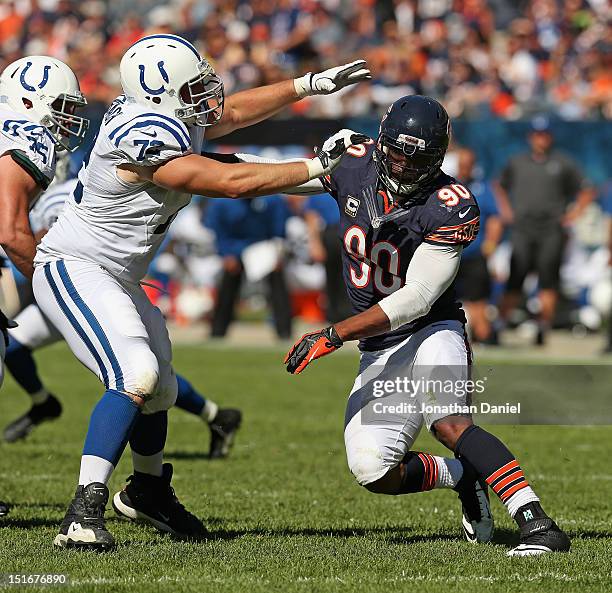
(458, 226)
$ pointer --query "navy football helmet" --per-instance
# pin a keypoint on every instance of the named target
(411, 145)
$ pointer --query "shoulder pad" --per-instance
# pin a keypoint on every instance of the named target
(356, 157)
(150, 139)
(359, 151)
(35, 148)
(452, 216)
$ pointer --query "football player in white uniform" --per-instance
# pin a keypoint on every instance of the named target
(38, 99)
(143, 168)
(34, 331)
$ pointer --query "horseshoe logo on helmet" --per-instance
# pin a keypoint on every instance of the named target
(163, 73)
(41, 84)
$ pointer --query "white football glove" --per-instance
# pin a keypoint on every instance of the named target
(332, 151)
(332, 80)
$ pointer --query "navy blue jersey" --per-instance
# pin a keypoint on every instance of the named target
(379, 239)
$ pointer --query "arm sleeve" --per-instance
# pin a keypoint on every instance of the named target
(151, 142)
(314, 186)
(431, 271)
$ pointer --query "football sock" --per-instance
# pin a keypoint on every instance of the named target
(422, 472)
(147, 442)
(191, 401)
(110, 426)
(40, 397)
(21, 364)
(495, 463)
(94, 469)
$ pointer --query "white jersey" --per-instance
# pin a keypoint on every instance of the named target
(47, 209)
(115, 224)
(30, 144)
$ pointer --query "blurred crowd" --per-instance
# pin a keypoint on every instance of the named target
(510, 58)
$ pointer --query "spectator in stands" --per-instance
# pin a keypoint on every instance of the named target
(473, 279)
(541, 192)
(239, 225)
(323, 219)
(477, 56)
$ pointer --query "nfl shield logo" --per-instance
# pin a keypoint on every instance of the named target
(352, 205)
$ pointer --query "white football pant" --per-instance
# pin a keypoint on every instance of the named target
(112, 328)
(377, 441)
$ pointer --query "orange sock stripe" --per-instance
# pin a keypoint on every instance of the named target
(430, 469)
(511, 478)
(502, 470)
(506, 495)
(501, 493)
(435, 474)
(427, 469)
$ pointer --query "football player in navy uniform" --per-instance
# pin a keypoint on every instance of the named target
(404, 223)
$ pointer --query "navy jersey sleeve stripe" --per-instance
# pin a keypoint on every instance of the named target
(174, 122)
(150, 122)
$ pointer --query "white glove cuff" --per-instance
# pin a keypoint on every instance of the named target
(302, 86)
(315, 168)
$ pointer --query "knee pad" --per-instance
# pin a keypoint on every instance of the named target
(165, 396)
(142, 376)
(365, 460)
(367, 466)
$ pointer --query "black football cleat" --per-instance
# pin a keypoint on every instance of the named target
(477, 520)
(151, 499)
(541, 536)
(50, 409)
(4, 508)
(83, 527)
(223, 431)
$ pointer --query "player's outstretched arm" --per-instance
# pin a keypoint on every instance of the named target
(204, 176)
(310, 188)
(430, 272)
(254, 105)
(17, 191)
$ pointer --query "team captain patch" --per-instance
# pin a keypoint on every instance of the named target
(352, 205)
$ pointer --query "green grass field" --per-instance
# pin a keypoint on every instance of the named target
(284, 511)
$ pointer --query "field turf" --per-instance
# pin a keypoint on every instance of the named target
(284, 511)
